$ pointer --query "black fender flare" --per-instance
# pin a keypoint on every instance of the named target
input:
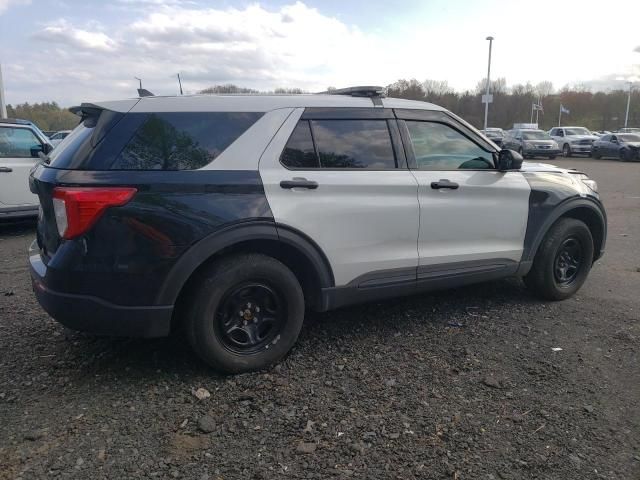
(204, 249)
(533, 243)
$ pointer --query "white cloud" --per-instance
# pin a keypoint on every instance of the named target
(5, 4)
(299, 46)
(64, 33)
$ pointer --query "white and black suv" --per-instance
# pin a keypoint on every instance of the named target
(231, 215)
(21, 142)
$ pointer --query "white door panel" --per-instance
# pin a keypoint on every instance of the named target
(363, 220)
(484, 218)
(14, 182)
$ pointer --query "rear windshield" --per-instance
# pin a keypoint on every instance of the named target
(150, 141)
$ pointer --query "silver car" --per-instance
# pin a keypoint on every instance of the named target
(531, 143)
(573, 140)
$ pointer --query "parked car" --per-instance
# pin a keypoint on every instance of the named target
(628, 130)
(496, 135)
(625, 146)
(600, 133)
(230, 216)
(573, 140)
(20, 143)
(57, 137)
(531, 143)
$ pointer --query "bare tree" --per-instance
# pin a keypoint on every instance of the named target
(544, 88)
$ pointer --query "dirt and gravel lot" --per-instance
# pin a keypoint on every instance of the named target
(453, 385)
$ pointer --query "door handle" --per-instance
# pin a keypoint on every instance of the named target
(444, 183)
(299, 183)
(6, 170)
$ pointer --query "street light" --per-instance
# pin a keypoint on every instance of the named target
(626, 116)
(486, 99)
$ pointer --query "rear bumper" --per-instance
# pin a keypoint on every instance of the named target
(94, 315)
(19, 211)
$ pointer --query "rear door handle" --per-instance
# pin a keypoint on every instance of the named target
(6, 170)
(299, 183)
(444, 183)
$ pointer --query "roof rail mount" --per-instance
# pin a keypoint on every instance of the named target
(360, 91)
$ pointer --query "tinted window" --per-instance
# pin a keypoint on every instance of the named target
(439, 147)
(182, 141)
(354, 144)
(17, 142)
(299, 151)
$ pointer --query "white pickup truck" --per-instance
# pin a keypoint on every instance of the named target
(573, 140)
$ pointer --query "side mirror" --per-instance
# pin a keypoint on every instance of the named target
(509, 160)
(36, 149)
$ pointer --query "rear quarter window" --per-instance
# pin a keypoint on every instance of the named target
(182, 140)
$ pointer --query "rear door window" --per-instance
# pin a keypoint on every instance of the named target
(182, 140)
(340, 144)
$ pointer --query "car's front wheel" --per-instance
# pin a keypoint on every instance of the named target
(566, 150)
(625, 154)
(563, 260)
(246, 313)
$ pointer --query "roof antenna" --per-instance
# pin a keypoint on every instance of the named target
(180, 83)
(143, 92)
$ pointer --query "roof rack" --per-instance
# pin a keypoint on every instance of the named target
(360, 91)
(15, 121)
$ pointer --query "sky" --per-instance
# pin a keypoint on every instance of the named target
(70, 51)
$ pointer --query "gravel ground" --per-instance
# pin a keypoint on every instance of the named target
(454, 385)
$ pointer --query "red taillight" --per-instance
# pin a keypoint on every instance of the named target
(78, 208)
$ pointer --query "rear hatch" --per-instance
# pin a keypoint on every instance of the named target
(84, 149)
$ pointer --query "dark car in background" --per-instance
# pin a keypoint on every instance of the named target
(531, 143)
(496, 135)
(625, 146)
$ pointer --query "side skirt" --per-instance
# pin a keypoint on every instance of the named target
(398, 283)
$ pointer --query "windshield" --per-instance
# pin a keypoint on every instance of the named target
(577, 131)
(535, 136)
(629, 137)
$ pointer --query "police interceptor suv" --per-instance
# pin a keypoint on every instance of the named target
(231, 215)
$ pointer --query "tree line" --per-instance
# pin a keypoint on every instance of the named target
(594, 110)
(46, 115)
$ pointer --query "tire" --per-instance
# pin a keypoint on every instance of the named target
(566, 150)
(567, 235)
(259, 288)
(625, 155)
(596, 155)
(552, 157)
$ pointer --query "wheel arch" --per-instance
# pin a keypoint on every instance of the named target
(588, 210)
(299, 253)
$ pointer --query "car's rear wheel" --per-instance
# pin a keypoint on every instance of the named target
(246, 313)
(552, 157)
(563, 260)
(566, 150)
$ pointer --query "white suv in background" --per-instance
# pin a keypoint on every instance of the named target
(573, 140)
(20, 144)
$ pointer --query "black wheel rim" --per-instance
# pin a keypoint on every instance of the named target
(249, 318)
(568, 262)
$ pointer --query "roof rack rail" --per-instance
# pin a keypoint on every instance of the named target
(16, 121)
(360, 91)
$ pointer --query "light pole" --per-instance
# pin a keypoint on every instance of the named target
(486, 105)
(3, 107)
(626, 117)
